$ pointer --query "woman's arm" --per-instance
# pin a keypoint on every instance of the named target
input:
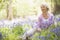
(39, 24)
(51, 21)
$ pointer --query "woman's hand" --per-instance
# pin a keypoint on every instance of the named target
(38, 29)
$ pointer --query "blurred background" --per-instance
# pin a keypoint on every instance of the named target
(10, 9)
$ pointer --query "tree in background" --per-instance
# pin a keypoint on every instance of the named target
(6, 9)
(9, 10)
(57, 6)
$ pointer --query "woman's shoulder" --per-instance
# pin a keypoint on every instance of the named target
(40, 15)
(51, 14)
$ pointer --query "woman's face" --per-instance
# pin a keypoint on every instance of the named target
(44, 9)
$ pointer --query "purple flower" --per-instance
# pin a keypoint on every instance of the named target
(56, 31)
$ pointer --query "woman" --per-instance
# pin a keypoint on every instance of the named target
(44, 21)
(46, 18)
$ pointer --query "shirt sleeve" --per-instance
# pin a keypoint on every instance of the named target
(51, 19)
(39, 22)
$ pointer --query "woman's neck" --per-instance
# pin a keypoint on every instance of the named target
(44, 12)
(45, 15)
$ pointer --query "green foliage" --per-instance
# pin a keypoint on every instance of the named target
(5, 31)
(58, 23)
(47, 34)
(12, 34)
(17, 30)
